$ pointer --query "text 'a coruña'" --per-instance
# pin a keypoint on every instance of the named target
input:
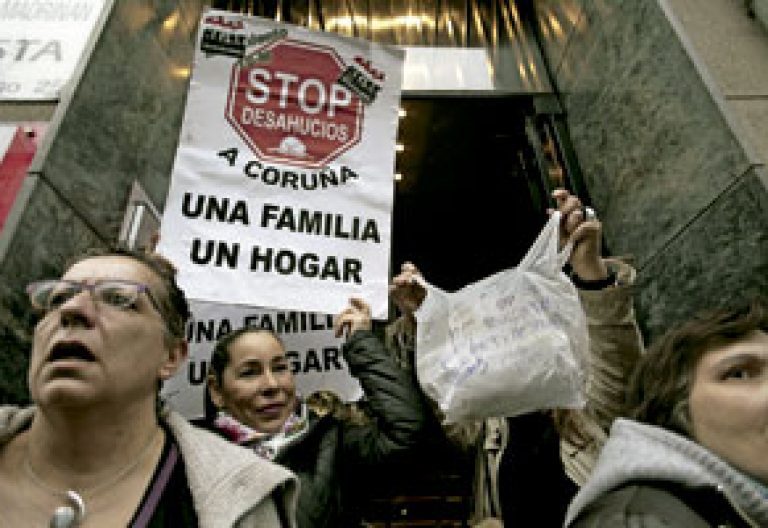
(290, 179)
(282, 261)
(325, 178)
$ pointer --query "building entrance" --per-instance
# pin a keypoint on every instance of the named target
(469, 200)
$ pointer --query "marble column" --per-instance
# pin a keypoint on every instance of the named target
(119, 123)
(674, 164)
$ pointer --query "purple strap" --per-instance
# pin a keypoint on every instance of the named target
(158, 486)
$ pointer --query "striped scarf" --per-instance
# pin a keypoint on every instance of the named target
(266, 445)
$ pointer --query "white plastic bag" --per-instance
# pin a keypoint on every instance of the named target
(512, 343)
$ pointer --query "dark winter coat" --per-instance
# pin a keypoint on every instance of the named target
(335, 459)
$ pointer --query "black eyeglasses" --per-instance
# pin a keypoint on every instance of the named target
(48, 295)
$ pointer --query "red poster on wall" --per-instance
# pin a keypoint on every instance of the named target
(18, 144)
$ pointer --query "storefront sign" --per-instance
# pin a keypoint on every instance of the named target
(283, 180)
(41, 43)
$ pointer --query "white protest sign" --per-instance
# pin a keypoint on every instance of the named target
(283, 179)
(41, 42)
(512, 343)
(313, 352)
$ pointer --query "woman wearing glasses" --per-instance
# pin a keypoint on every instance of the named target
(95, 451)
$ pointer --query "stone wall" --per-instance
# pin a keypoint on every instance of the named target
(760, 9)
(673, 155)
(120, 123)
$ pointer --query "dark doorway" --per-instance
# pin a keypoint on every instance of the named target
(470, 201)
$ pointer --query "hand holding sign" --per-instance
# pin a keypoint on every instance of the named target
(406, 290)
(356, 317)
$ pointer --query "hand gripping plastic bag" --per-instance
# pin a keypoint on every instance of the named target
(512, 343)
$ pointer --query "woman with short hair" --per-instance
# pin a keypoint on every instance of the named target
(96, 450)
(695, 451)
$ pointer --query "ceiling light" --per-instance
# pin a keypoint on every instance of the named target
(180, 72)
(171, 22)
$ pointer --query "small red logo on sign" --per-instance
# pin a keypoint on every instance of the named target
(290, 109)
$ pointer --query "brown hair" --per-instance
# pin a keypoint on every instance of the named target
(173, 305)
(659, 389)
(570, 426)
(220, 355)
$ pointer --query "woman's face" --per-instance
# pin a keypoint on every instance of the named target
(257, 387)
(729, 404)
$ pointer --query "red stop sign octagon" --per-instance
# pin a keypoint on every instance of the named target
(290, 109)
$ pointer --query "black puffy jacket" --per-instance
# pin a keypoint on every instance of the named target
(334, 459)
